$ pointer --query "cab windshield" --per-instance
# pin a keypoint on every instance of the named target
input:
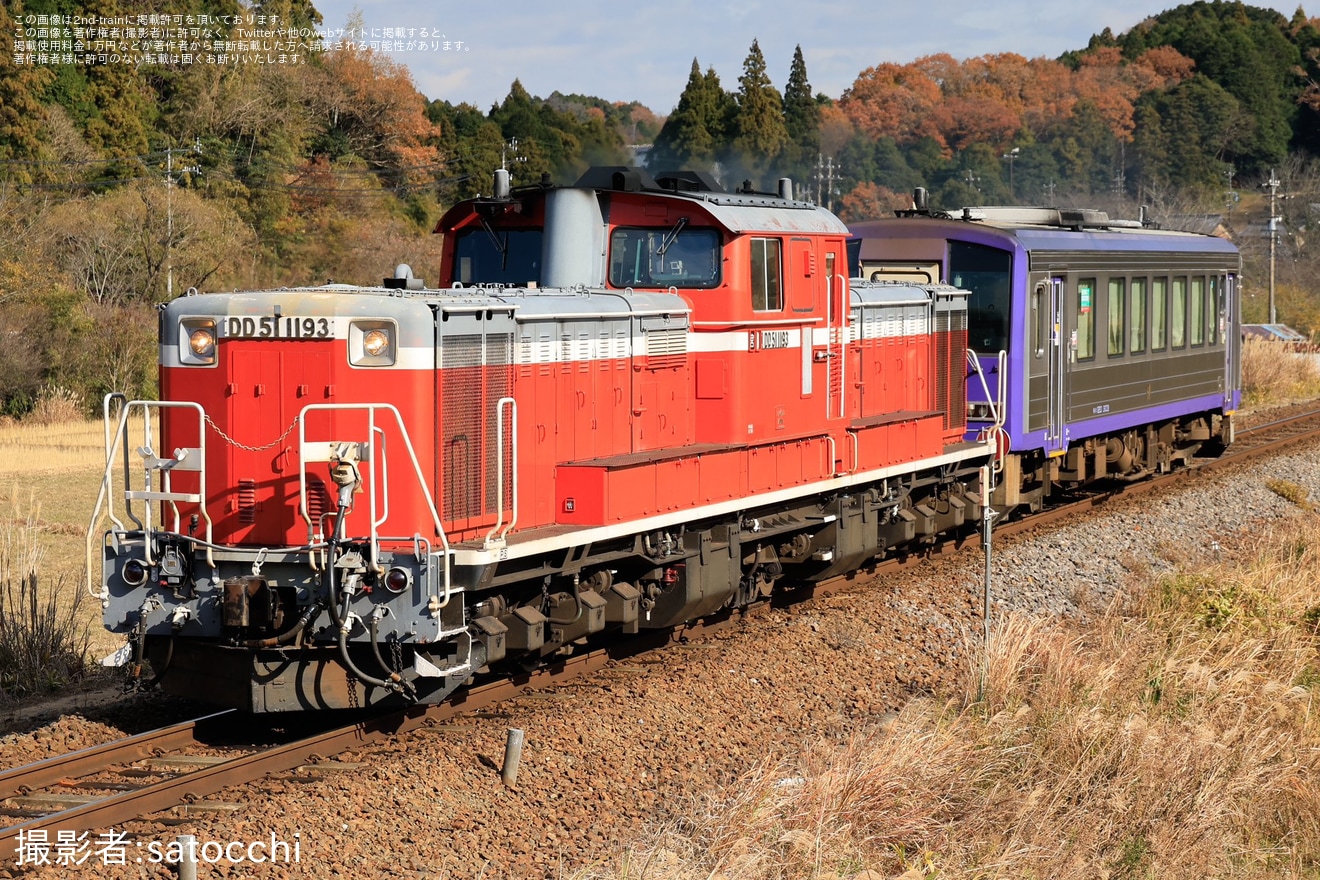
(987, 273)
(678, 256)
(487, 255)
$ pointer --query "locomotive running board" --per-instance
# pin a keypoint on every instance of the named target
(556, 537)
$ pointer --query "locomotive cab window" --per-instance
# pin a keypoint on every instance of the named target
(987, 273)
(486, 255)
(767, 290)
(677, 256)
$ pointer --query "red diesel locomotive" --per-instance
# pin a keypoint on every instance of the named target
(631, 403)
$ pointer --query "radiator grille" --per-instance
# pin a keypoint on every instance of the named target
(666, 348)
(950, 372)
(476, 374)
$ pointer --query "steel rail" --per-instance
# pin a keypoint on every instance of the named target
(131, 805)
(75, 765)
(122, 807)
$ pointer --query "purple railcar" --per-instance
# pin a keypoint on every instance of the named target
(1098, 348)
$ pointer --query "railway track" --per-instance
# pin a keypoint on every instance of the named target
(186, 763)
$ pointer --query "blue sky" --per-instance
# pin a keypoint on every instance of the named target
(627, 50)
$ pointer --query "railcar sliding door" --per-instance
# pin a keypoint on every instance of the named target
(1231, 334)
(1057, 355)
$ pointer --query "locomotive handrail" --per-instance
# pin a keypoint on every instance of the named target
(491, 537)
(839, 333)
(370, 409)
(105, 423)
(385, 481)
(151, 463)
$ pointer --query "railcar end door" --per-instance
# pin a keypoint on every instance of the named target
(1232, 336)
(1055, 441)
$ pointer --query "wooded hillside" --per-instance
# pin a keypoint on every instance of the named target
(123, 184)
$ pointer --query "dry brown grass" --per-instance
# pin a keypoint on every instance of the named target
(57, 405)
(1175, 738)
(33, 447)
(1273, 374)
(60, 464)
(44, 630)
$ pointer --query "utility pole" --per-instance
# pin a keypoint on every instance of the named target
(825, 170)
(1010, 156)
(196, 149)
(1273, 183)
(510, 152)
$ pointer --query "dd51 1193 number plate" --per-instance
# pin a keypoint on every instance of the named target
(271, 327)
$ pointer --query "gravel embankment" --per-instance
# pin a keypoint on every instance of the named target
(638, 744)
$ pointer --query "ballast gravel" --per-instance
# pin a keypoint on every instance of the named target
(638, 744)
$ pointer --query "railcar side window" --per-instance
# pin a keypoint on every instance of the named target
(1212, 308)
(1197, 304)
(675, 257)
(1137, 340)
(1117, 303)
(497, 256)
(767, 292)
(1159, 314)
(1085, 319)
(1178, 314)
(988, 274)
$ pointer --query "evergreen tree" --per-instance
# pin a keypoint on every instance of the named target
(21, 113)
(760, 135)
(695, 130)
(539, 150)
(1249, 53)
(801, 120)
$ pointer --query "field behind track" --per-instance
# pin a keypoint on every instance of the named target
(49, 478)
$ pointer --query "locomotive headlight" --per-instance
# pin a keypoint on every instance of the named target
(376, 342)
(372, 343)
(202, 342)
(197, 341)
(134, 572)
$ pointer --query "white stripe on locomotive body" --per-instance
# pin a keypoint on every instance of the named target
(582, 332)
(579, 536)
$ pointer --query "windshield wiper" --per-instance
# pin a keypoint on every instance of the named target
(672, 235)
